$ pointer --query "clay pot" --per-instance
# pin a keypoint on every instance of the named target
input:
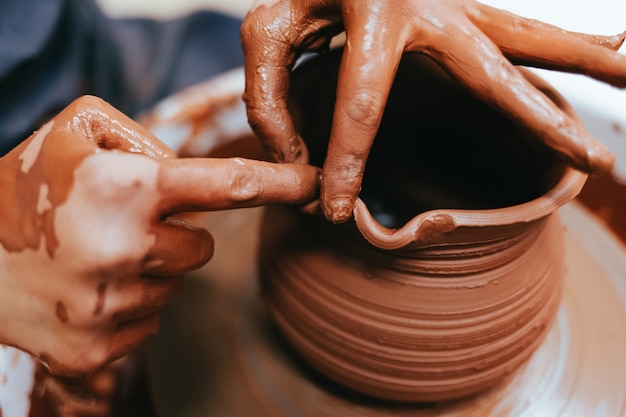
(452, 281)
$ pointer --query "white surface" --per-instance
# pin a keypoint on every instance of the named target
(171, 8)
(17, 374)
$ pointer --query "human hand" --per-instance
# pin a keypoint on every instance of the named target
(476, 44)
(89, 251)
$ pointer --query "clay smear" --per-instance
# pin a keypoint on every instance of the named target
(29, 156)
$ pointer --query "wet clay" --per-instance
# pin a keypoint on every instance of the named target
(39, 178)
(461, 273)
(476, 44)
(606, 197)
(92, 395)
(30, 211)
(90, 248)
(578, 369)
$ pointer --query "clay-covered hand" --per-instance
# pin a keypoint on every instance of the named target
(476, 44)
(89, 251)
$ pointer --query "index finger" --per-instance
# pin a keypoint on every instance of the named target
(219, 184)
(268, 60)
(366, 74)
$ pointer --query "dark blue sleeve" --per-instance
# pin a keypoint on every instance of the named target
(25, 27)
(53, 51)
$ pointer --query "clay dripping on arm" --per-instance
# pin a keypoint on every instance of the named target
(477, 45)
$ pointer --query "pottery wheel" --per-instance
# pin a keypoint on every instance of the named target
(219, 354)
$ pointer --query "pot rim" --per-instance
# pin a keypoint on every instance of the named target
(429, 225)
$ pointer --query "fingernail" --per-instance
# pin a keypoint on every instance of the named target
(340, 209)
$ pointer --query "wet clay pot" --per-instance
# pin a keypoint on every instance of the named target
(451, 273)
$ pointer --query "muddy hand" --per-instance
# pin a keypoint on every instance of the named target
(89, 253)
(476, 44)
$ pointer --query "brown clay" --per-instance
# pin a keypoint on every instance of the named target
(89, 250)
(461, 286)
(606, 197)
(476, 44)
(577, 369)
(91, 395)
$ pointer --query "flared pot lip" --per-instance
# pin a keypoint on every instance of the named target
(430, 225)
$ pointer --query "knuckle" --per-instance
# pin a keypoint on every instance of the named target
(249, 30)
(243, 183)
(87, 102)
(342, 179)
(96, 358)
(84, 360)
(77, 314)
(350, 172)
(263, 24)
(103, 171)
(115, 176)
(364, 108)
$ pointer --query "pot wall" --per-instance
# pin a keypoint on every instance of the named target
(469, 296)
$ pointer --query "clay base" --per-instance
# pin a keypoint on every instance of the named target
(218, 353)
